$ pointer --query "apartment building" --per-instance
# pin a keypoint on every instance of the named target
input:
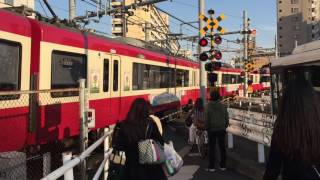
(12, 3)
(144, 23)
(298, 23)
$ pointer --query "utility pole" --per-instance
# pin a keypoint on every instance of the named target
(203, 76)
(245, 50)
(72, 10)
(147, 31)
(276, 47)
(124, 20)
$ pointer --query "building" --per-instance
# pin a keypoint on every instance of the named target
(13, 3)
(144, 23)
(298, 23)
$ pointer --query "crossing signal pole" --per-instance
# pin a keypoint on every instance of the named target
(245, 50)
(200, 49)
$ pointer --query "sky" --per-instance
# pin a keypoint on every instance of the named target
(262, 14)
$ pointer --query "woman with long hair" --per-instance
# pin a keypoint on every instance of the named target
(295, 146)
(132, 130)
(197, 116)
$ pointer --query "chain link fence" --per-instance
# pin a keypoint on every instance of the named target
(37, 112)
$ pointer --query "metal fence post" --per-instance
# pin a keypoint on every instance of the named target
(261, 156)
(230, 141)
(106, 149)
(83, 131)
(46, 163)
(66, 157)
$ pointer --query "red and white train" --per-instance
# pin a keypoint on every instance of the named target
(36, 55)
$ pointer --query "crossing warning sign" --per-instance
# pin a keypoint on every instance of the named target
(212, 23)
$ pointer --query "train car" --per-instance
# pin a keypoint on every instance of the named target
(265, 78)
(229, 81)
(39, 56)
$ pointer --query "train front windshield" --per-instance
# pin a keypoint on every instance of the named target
(280, 79)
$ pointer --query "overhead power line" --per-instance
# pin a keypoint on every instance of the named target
(110, 11)
(177, 18)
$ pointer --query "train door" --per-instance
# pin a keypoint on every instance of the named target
(14, 76)
(115, 102)
(106, 86)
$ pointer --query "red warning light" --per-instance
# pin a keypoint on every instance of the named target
(218, 40)
(203, 42)
(217, 55)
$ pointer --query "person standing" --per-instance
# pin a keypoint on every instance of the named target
(216, 122)
(295, 144)
(133, 130)
(197, 117)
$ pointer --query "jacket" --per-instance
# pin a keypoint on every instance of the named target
(289, 169)
(216, 116)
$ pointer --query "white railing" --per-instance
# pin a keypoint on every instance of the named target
(254, 126)
(77, 160)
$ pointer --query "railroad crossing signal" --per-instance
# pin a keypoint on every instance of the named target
(248, 67)
(212, 23)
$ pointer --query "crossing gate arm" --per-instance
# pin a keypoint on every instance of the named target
(60, 171)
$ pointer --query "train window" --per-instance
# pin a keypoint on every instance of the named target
(10, 69)
(105, 75)
(154, 77)
(66, 70)
(151, 77)
(193, 78)
(115, 75)
(186, 78)
(179, 78)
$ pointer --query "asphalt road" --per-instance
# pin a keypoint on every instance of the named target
(194, 167)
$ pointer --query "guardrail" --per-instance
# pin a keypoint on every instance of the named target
(77, 160)
(255, 126)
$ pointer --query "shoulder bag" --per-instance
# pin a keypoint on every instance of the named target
(150, 151)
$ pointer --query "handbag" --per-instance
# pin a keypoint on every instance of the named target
(173, 158)
(116, 167)
(150, 151)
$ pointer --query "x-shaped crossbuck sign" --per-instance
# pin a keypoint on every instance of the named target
(212, 24)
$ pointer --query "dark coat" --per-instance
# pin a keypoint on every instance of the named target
(133, 169)
(289, 169)
(216, 116)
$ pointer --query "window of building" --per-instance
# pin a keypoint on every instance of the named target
(296, 36)
(115, 75)
(295, 27)
(280, 45)
(295, 19)
(280, 2)
(294, 10)
(280, 19)
(313, 18)
(10, 69)
(280, 27)
(105, 75)
(66, 70)
(312, 9)
(294, 1)
(280, 10)
(280, 37)
(10, 2)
